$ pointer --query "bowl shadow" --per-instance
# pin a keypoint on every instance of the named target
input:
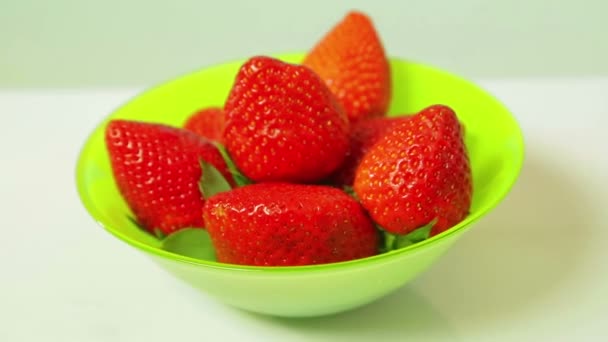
(519, 256)
(513, 261)
(405, 312)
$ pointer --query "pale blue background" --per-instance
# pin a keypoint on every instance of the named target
(71, 43)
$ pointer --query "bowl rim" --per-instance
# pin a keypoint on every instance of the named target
(90, 207)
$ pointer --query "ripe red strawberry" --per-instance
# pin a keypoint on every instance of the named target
(416, 173)
(364, 134)
(283, 124)
(285, 224)
(208, 123)
(351, 60)
(157, 170)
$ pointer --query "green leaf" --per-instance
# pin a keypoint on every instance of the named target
(190, 242)
(157, 233)
(392, 241)
(212, 181)
(238, 177)
(137, 224)
(388, 241)
(350, 191)
(421, 233)
(402, 241)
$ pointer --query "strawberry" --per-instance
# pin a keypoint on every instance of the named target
(285, 224)
(351, 60)
(364, 134)
(157, 171)
(283, 124)
(208, 123)
(417, 173)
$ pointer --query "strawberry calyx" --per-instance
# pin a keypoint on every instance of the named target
(157, 232)
(390, 241)
(191, 242)
(350, 191)
(237, 175)
(212, 181)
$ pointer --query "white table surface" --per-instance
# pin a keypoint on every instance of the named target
(535, 269)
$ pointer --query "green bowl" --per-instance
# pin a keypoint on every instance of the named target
(494, 142)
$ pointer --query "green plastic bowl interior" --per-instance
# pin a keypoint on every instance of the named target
(493, 139)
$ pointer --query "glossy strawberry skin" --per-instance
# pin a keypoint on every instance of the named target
(351, 59)
(283, 124)
(208, 122)
(157, 171)
(285, 224)
(417, 173)
(364, 134)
